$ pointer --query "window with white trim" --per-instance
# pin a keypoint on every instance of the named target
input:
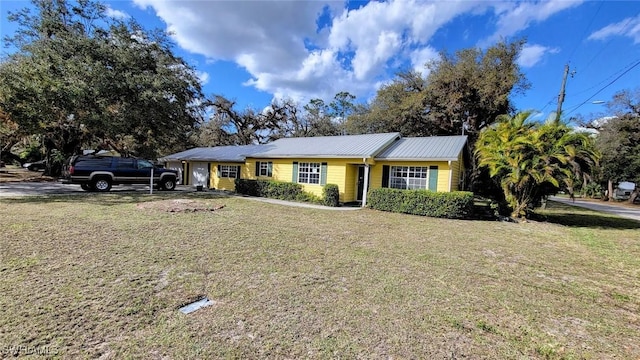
(228, 171)
(265, 168)
(309, 173)
(409, 177)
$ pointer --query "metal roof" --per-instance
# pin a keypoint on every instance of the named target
(387, 146)
(232, 153)
(443, 148)
(346, 146)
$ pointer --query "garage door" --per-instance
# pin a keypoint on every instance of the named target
(200, 173)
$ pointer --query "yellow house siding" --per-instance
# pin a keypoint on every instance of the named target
(443, 172)
(458, 169)
(348, 193)
(219, 183)
(341, 172)
(455, 175)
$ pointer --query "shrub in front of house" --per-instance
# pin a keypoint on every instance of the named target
(247, 187)
(453, 205)
(331, 195)
(275, 190)
(280, 190)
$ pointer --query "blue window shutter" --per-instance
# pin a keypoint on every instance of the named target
(323, 174)
(385, 176)
(239, 168)
(294, 177)
(270, 169)
(433, 178)
(257, 168)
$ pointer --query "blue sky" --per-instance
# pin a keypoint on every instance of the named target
(254, 51)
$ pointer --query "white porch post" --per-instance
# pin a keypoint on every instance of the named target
(450, 174)
(366, 184)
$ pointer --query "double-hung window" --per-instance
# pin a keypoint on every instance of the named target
(264, 168)
(228, 171)
(408, 177)
(309, 173)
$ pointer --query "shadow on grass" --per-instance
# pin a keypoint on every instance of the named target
(115, 198)
(557, 213)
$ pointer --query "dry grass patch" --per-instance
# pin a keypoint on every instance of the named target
(95, 276)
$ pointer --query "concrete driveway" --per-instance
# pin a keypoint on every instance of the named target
(611, 208)
(18, 189)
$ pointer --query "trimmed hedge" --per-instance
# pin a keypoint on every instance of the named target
(331, 195)
(275, 189)
(268, 188)
(453, 205)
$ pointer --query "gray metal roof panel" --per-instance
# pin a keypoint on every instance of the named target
(232, 153)
(431, 148)
(367, 145)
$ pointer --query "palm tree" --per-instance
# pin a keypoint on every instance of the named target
(530, 160)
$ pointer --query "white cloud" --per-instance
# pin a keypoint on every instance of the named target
(116, 14)
(203, 76)
(514, 17)
(290, 49)
(629, 27)
(421, 57)
(281, 47)
(378, 31)
(533, 54)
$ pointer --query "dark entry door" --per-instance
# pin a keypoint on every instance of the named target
(360, 183)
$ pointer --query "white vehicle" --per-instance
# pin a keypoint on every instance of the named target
(623, 190)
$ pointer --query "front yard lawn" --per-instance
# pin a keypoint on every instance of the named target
(99, 275)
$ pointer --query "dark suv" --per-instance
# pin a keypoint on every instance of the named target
(99, 173)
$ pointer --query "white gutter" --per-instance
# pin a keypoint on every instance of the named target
(450, 175)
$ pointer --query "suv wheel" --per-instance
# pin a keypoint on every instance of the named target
(168, 184)
(101, 184)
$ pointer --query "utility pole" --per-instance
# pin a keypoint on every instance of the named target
(561, 95)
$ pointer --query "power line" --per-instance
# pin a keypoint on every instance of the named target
(605, 45)
(603, 81)
(585, 31)
(604, 87)
(553, 98)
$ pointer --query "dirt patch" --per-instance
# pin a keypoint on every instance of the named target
(179, 205)
(16, 174)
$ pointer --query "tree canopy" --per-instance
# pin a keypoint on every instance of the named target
(530, 161)
(80, 78)
(619, 140)
(228, 125)
(471, 87)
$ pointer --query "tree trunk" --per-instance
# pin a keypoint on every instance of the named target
(633, 196)
(609, 190)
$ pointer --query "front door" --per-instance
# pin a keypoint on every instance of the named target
(200, 174)
(360, 183)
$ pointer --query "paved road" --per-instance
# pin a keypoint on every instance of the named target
(17, 189)
(629, 213)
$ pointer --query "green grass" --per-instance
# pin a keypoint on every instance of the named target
(94, 275)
